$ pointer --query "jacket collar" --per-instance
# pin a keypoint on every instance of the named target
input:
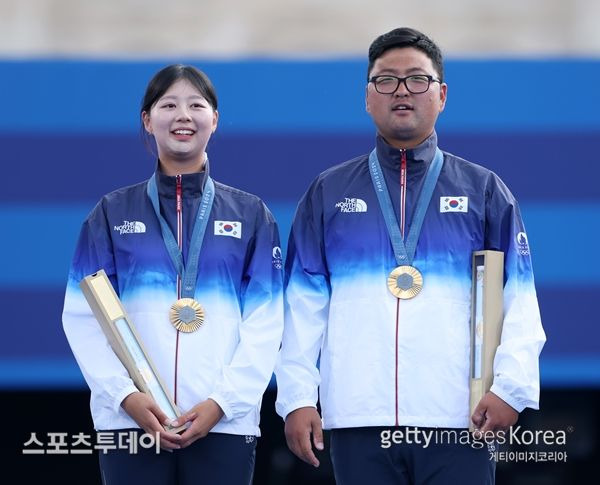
(390, 157)
(191, 183)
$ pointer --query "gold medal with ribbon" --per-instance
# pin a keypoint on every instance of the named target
(186, 315)
(405, 282)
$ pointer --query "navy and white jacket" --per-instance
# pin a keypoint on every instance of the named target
(231, 357)
(384, 361)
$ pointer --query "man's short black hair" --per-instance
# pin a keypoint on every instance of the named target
(406, 37)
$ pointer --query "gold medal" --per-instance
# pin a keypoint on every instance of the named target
(187, 315)
(405, 282)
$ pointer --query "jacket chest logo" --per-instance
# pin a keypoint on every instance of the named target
(130, 227)
(352, 204)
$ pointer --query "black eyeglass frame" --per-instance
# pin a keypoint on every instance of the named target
(399, 80)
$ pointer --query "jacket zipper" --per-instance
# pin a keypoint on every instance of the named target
(402, 224)
(179, 209)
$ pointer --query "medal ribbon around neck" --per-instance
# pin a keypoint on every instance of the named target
(186, 313)
(405, 281)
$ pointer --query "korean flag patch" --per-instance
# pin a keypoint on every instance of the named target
(228, 228)
(453, 203)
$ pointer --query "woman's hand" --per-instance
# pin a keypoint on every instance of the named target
(146, 413)
(202, 417)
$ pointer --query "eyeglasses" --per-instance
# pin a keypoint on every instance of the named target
(415, 84)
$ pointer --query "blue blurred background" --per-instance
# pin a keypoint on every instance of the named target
(290, 75)
(69, 132)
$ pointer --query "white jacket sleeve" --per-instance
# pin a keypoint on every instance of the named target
(307, 293)
(516, 364)
(245, 378)
(101, 368)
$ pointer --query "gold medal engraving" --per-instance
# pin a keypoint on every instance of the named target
(405, 282)
(186, 315)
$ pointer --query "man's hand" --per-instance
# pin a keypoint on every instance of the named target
(493, 414)
(203, 417)
(299, 425)
(146, 413)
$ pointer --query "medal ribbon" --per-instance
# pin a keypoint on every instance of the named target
(188, 273)
(404, 253)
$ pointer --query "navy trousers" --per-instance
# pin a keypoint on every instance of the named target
(217, 459)
(375, 455)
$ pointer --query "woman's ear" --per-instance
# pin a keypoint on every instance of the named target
(147, 122)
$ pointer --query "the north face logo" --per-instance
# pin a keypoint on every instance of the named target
(352, 205)
(131, 227)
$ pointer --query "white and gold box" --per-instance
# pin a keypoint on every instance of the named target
(486, 322)
(126, 343)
